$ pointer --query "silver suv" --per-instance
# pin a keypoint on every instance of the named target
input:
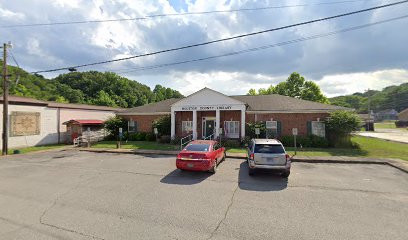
(268, 154)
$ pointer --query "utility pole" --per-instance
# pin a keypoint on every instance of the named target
(369, 111)
(5, 100)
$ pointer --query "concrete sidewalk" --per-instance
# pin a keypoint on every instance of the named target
(393, 135)
(397, 163)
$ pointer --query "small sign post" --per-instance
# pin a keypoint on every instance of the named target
(120, 138)
(220, 134)
(156, 132)
(295, 133)
(257, 132)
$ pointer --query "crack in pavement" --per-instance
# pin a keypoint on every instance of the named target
(55, 202)
(226, 213)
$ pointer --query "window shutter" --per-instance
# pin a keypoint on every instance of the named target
(135, 127)
(309, 127)
(279, 128)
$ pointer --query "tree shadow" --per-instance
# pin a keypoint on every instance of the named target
(181, 177)
(262, 180)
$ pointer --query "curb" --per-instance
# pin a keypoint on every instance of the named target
(398, 164)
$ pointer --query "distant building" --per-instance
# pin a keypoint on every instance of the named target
(35, 122)
(403, 115)
(388, 114)
(210, 113)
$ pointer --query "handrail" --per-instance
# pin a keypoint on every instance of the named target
(189, 137)
(210, 137)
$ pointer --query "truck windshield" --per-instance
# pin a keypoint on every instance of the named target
(198, 147)
(269, 148)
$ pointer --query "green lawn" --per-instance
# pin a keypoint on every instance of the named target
(137, 145)
(384, 125)
(36, 148)
(369, 147)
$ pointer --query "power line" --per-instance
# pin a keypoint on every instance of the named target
(180, 14)
(227, 39)
(265, 46)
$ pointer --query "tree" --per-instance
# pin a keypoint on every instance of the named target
(339, 125)
(104, 99)
(113, 124)
(163, 125)
(295, 86)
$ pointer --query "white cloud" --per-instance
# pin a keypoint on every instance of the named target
(13, 16)
(342, 84)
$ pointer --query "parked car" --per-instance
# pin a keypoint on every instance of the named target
(201, 155)
(268, 154)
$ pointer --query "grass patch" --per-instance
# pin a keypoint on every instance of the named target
(137, 145)
(384, 125)
(37, 148)
(368, 147)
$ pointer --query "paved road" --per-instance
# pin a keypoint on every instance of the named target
(82, 195)
(397, 135)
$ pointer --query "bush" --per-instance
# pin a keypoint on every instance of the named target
(250, 129)
(141, 136)
(231, 143)
(401, 124)
(175, 140)
(339, 125)
(309, 141)
(163, 125)
(150, 137)
(245, 140)
(113, 124)
(165, 139)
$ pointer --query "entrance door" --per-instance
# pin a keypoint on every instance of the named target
(208, 128)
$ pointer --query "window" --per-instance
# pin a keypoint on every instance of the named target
(198, 147)
(231, 129)
(318, 129)
(271, 129)
(132, 126)
(269, 148)
(187, 126)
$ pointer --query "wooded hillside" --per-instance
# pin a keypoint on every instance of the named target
(392, 97)
(92, 87)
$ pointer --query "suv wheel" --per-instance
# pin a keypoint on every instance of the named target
(285, 174)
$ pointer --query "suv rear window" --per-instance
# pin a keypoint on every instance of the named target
(198, 147)
(269, 148)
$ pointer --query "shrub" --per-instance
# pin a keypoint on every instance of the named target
(245, 140)
(250, 129)
(231, 143)
(163, 125)
(175, 140)
(339, 125)
(318, 142)
(150, 137)
(141, 136)
(113, 124)
(165, 139)
(401, 124)
(309, 141)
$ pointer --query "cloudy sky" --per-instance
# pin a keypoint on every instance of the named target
(344, 63)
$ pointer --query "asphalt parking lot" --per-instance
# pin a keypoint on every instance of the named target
(82, 195)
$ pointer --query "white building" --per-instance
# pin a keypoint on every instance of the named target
(33, 122)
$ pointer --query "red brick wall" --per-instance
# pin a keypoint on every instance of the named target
(144, 122)
(289, 120)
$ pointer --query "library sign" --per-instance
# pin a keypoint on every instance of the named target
(208, 108)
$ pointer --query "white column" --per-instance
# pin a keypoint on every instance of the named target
(242, 123)
(173, 124)
(217, 123)
(195, 124)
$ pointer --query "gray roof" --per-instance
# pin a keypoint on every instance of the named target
(260, 103)
(157, 107)
(275, 102)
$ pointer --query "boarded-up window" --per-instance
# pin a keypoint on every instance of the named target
(25, 124)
